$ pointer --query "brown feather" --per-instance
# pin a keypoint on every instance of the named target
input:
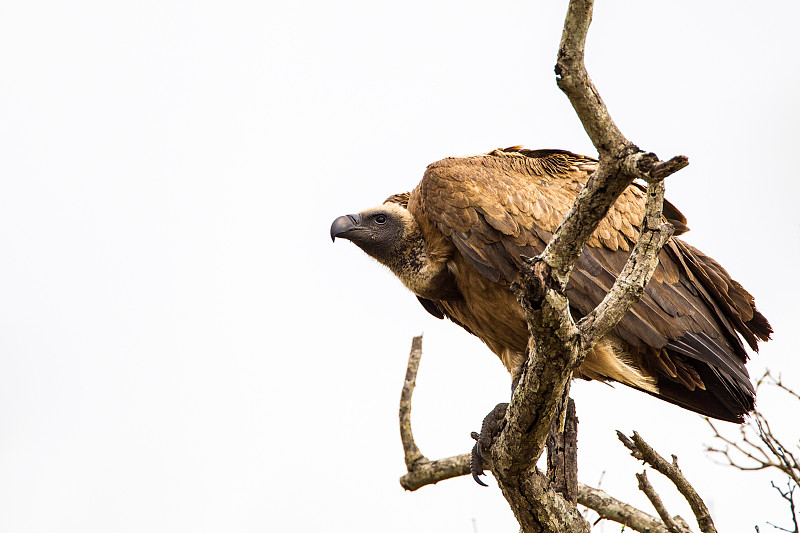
(680, 342)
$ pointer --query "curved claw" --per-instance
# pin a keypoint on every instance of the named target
(478, 480)
(491, 426)
(476, 464)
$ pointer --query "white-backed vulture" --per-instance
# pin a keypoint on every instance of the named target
(457, 241)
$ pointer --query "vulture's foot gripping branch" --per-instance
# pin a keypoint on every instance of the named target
(490, 428)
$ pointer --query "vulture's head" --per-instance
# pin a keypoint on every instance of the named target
(383, 232)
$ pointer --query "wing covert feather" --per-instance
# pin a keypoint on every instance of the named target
(504, 205)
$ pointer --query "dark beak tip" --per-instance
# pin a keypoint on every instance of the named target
(342, 225)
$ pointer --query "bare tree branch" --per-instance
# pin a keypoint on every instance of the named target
(422, 471)
(745, 447)
(758, 448)
(605, 505)
(557, 345)
(553, 332)
(549, 507)
(658, 505)
(574, 81)
(432, 472)
(778, 382)
(609, 508)
(641, 450)
(562, 455)
(630, 284)
(412, 453)
(787, 495)
(620, 160)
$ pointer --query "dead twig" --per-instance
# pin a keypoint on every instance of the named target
(758, 448)
(672, 524)
(787, 495)
(423, 471)
(642, 451)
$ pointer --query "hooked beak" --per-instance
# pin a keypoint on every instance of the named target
(342, 225)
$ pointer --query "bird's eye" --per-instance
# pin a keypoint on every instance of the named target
(380, 219)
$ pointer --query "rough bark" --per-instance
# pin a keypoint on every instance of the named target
(643, 451)
(609, 508)
(412, 453)
(562, 456)
(558, 345)
(535, 495)
(673, 524)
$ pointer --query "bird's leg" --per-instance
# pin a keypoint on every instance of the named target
(562, 445)
(491, 427)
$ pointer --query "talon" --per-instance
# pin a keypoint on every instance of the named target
(478, 480)
(476, 462)
(492, 425)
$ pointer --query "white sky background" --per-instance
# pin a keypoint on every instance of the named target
(183, 349)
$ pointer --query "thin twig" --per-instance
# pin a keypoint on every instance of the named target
(641, 450)
(421, 470)
(788, 495)
(658, 505)
(609, 508)
(412, 454)
(758, 448)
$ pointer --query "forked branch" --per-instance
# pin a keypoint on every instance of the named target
(422, 471)
(757, 447)
(641, 450)
(557, 345)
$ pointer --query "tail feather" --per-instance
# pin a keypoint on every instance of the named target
(724, 398)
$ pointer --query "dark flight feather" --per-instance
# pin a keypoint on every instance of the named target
(460, 239)
(504, 205)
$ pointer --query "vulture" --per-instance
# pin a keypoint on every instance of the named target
(458, 239)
